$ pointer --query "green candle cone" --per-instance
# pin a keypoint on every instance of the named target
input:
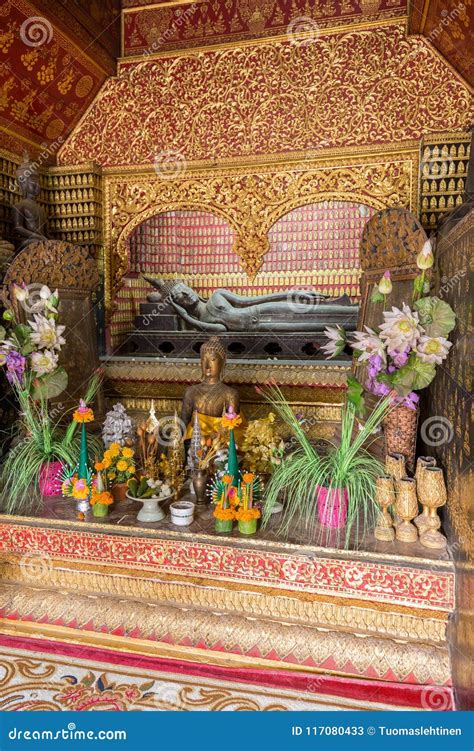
(83, 461)
(232, 461)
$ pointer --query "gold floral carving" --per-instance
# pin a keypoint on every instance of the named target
(348, 89)
(55, 263)
(349, 653)
(250, 200)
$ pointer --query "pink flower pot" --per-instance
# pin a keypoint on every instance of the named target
(50, 478)
(332, 506)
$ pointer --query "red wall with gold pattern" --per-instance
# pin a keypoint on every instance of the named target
(349, 88)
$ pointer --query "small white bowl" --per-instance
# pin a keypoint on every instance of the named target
(182, 513)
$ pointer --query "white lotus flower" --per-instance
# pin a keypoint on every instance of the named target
(401, 329)
(46, 334)
(44, 362)
(425, 258)
(433, 349)
(336, 343)
(369, 344)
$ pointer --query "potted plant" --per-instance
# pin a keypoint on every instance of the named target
(41, 446)
(119, 464)
(337, 487)
(151, 492)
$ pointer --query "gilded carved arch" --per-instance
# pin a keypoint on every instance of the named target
(250, 198)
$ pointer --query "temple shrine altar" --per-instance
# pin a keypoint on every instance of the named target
(236, 300)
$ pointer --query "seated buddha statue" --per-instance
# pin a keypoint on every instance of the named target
(210, 398)
(29, 219)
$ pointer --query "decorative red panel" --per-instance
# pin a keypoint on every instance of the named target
(155, 29)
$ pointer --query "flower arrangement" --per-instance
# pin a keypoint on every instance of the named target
(29, 353)
(236, 503)
(119, 465)
(262, 446)
(401, 355)
(230, 420)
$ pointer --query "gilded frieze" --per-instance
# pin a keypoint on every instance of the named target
(210, 633)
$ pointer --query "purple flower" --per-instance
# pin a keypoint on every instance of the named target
(16, 364)
(400, 358)
(380, 389)
(411, 400)
(391, 369)
(375, 364)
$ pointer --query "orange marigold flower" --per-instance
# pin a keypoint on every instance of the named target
(105, 498)
(86, 415)
(248, 478)
(223, 513)
(246, 515)
(99, 466)
(227, 479)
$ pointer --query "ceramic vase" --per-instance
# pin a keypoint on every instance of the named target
(384, 497)
(199, 482)
(151, 510)
(422, 519)
(119, 491)
(433, 495)
(248, 528)
(332, 506)
(82, 507)
(395, 465)
(407, 508)
(50, 478)
(399, 428)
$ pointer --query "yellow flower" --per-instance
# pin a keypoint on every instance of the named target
(132, 469)
(80, 490)
(114, 450)
(112, 475)
(122, 465)
(127, 452)
(115, 446)
(106, 462)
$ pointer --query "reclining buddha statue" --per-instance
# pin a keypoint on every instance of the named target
(290, 311)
